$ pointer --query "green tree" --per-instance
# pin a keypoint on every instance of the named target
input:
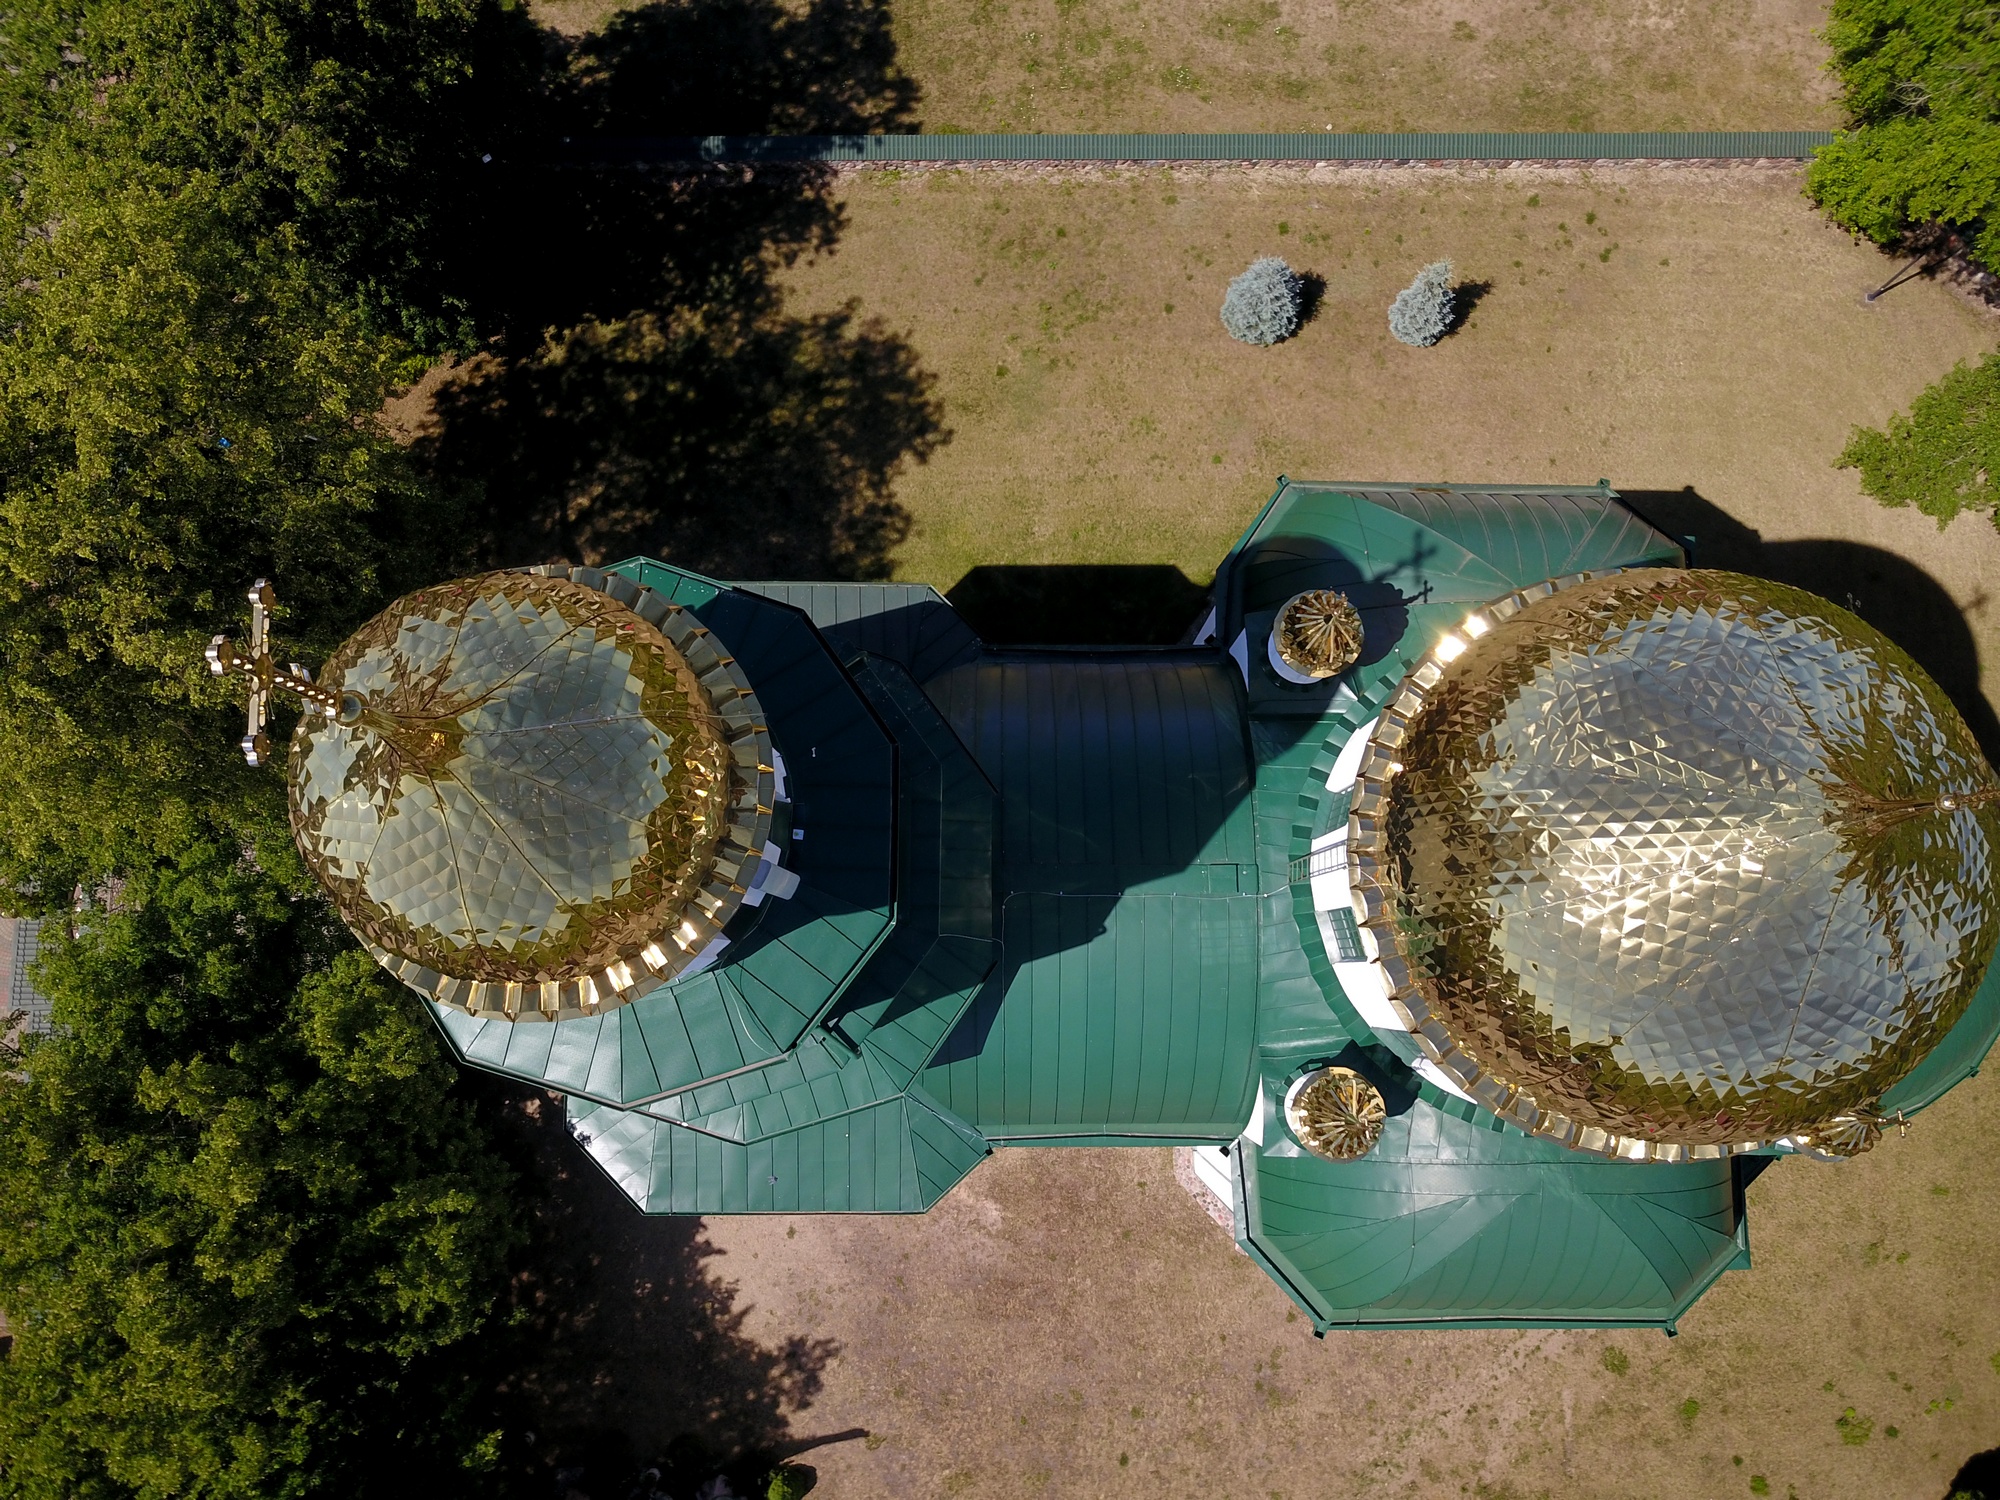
(234, 233)
(365, 137)
(1921, 85)
(1944, 457)
(252, 1242)
(180, 411)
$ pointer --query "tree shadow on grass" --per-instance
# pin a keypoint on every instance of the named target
(633, 1353)
(1891, 593)
(1978, 1478)
(1465, 300)
(645, 388)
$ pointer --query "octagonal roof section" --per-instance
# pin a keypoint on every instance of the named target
(785, 960)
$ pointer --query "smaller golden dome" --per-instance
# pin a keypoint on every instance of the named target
(1318, 633)
(1335, 1113)
(539, 795)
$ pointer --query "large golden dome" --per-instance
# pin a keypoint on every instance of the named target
(1674, 863)
(541, 794)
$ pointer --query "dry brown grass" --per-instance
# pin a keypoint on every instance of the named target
(1049, 65)
(1068, 1323)
(1099, 412)
(1288, 65)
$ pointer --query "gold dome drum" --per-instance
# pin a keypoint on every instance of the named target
(1335, 1113)
(1672, 863)
(541, 793)
(1318, 633)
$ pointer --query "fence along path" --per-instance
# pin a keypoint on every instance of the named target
(1490, 147)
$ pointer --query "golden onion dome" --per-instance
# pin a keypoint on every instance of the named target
(1675, 863)
(540, 794)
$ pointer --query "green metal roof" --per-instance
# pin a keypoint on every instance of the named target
(1053, 897)
(1125, 1003)
(1452, 1220)
(910, 624)
(889, 1022)
(830, 1117)
(1129, 1017)
(1115, 770)
(900, 1156)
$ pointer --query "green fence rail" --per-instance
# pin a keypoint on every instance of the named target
(1677, 145)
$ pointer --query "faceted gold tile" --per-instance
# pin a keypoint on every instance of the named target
(1687, 858)
(532, 790)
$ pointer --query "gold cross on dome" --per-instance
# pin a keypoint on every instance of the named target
(256, 665)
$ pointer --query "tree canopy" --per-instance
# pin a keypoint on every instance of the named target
(250, 1237)
(358, 134)
(1921, 85)
(250, 1243)
(179, 412)
(230, 240)
(1944, 456)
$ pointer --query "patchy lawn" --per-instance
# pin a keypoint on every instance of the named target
(1365, 65)
(1069, 1324)
(1664, 329)
(1051, 65)
(1219, 65)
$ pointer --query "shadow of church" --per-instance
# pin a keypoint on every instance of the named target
(633, 1368)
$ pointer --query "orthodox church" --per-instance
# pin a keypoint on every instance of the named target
(1480, 894)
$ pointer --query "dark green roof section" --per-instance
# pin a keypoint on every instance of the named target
(911, 624)
(816, 1080)
(690, 590)
(1125, 1001)
(1958, 1056)
(1128, 1016)
(1530, 535)
(1113, 770)
(946, 934)
(919, 982)
(899, 1156)
(1457, 1221)
(948, 810)
(698, 1028)
(840, 772)
(826, 1074)
(1394, 547)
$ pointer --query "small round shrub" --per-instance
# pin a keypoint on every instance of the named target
(1421, 313)
(1263, 303)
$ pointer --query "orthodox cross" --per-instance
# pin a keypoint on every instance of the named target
(256, 665)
